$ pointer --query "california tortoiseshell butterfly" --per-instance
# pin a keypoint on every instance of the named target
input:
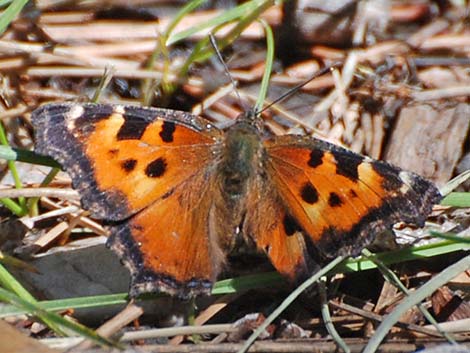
(177, 192)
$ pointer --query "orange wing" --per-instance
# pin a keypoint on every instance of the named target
(122, 159)
(276, 232)
(147, 172)
(334, 202)
(172, 245)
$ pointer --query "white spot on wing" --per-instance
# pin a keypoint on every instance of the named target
(119, 109)
(407, 179)
(73, 114)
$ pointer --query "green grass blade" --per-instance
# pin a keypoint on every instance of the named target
(105, 79)
(10, 283)
(226, 286)
(161, 49)
(4, 3)
(22, 210)
(268, 66)
(457, 199)
(12, 154)
(71, 303)
(326, 316)
(163, 41)
(402, 255)
(455, 182)
(188, 8)
(416, 297)
(14, 262)
(15, 154)
(220, 19)
(450, 236)
(245, 14)
(234, 285)
(235, 32)
(34, 201)
(14, 207)
(10, 13)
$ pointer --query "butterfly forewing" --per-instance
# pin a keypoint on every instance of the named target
(342, 200)
(122, 159)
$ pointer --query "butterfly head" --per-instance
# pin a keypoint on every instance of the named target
(251, 117)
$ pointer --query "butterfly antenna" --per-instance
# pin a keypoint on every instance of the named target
(294, 89)
(213, 42)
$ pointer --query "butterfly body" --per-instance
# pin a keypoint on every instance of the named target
(241, 159)
(178, 194)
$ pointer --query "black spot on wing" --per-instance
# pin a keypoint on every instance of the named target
(168, 129)
(290, 225)
(334, 200)
(129, 165)
(352, 193)
(309, 194)
(347, 163)
(133, 128)
(156, 168)
(315, 160)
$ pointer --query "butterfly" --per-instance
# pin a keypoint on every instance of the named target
(177, 193)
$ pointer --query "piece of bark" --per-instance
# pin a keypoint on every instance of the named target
(429, 140)
(13, 341)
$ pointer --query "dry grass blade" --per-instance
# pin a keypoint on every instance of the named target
(67, 194)
(131, 313)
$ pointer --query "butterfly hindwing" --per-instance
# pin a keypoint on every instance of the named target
(276, 233)
(170, 246)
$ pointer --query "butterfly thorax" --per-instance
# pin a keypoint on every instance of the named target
(242, 156)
